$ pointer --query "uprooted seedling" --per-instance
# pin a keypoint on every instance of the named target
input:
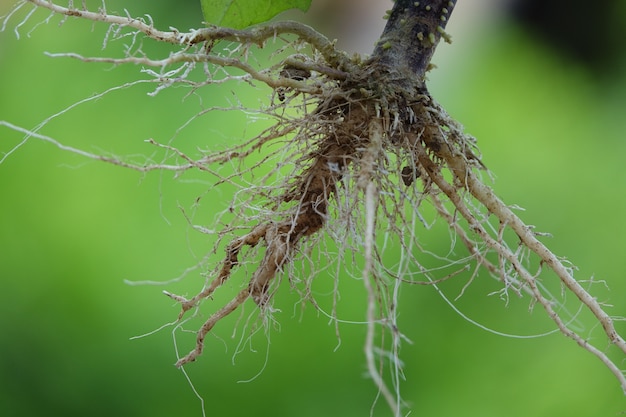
(367, 147)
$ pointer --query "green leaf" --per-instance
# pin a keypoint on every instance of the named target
(239, 14)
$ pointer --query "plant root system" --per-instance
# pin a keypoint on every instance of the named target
(358, 146)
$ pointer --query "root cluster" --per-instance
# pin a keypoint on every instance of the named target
(367, 146)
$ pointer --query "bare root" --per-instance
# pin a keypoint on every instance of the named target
(365, 149)
(465, 179)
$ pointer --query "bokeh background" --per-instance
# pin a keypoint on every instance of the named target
(549, 118)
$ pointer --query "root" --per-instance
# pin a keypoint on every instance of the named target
(311, 192)
(457, 161)
(356, 148)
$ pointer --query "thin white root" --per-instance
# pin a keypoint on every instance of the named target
(369, 274)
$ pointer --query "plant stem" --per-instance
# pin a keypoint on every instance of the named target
(410, 37)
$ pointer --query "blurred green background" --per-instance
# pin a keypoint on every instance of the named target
(71, 230)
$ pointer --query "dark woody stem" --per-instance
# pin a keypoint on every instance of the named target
(410, 37)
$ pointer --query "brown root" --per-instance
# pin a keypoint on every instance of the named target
(311, 192)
